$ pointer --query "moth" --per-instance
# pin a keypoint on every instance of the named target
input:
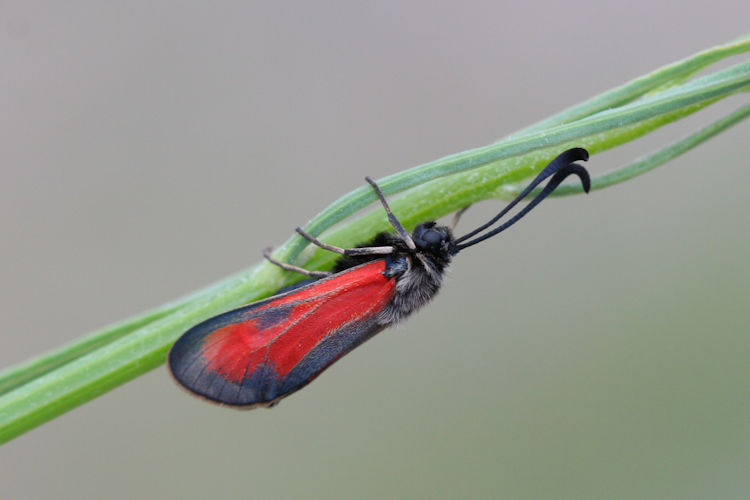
(258, 354)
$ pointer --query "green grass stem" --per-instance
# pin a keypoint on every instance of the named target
(49, 385)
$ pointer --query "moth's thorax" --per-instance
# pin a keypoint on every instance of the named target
(418, 279)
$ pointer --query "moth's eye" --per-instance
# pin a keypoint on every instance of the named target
(432, 237)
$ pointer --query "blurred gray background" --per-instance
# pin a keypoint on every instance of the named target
(598, 350)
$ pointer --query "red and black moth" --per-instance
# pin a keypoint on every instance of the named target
(260, 353)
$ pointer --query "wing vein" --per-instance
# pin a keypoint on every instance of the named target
(323, 298)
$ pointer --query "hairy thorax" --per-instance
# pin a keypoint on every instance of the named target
(418, 280)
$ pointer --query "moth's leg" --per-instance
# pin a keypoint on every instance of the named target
(345, 251)
(457, 217)
(392, 218)
(289, 267)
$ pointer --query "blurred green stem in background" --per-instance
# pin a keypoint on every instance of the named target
(51, 384)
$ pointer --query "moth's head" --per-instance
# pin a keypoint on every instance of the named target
(431, 238)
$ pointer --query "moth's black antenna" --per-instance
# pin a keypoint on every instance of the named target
(559, 168)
